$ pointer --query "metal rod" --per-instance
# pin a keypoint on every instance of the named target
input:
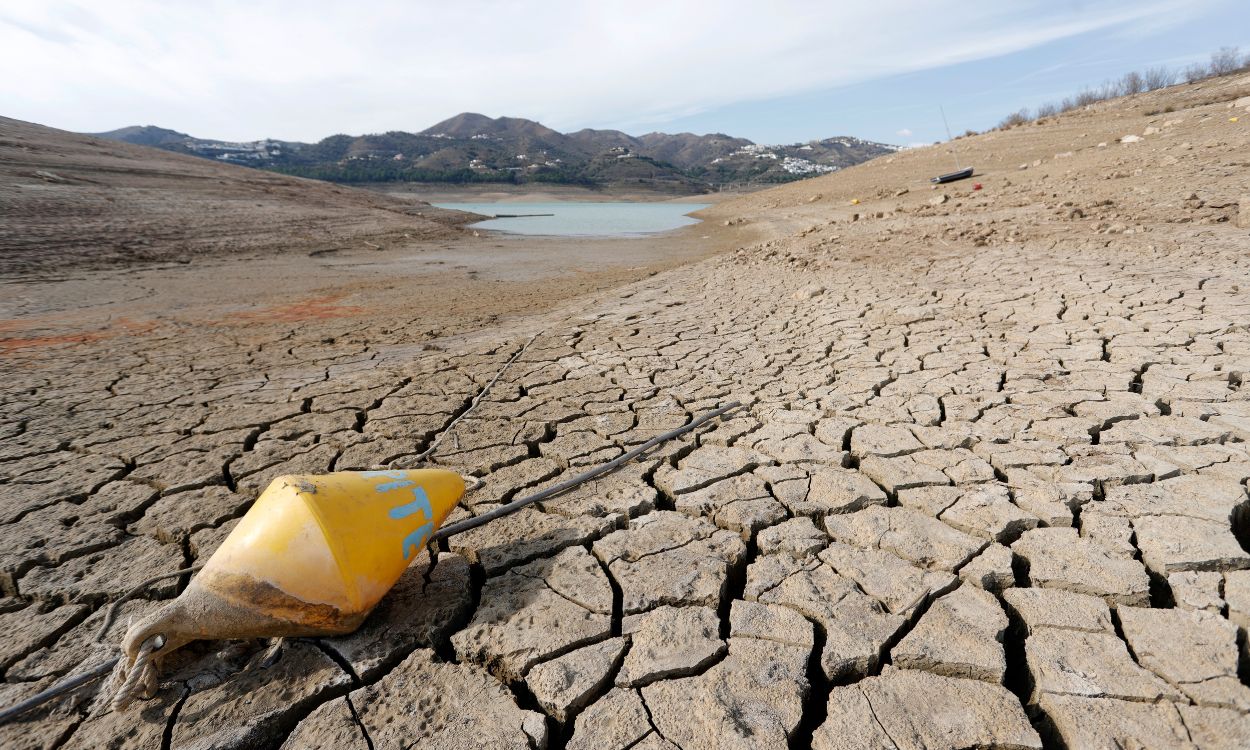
(64, 686)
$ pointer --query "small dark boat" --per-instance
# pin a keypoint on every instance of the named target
(962, 174)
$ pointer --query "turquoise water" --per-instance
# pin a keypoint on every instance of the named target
(577, 219)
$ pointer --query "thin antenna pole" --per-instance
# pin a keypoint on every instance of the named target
(949, 139)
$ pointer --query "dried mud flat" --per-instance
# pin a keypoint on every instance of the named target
(989, 489)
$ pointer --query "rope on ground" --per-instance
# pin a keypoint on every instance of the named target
(140, 680)
(503, 510)
(473, 404)
(472, 483)
(140, 675)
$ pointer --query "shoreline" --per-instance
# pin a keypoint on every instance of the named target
(545, 194)
(454, 284)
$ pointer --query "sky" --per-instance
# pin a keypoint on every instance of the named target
(775, 72)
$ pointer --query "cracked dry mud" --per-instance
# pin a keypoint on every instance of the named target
(989, 488)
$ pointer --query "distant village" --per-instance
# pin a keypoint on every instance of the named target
(254, 151)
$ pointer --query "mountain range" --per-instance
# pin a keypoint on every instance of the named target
(474, 148)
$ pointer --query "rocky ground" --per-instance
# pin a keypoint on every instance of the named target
(989, 488)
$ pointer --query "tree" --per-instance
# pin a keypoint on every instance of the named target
(1159, 78)
(1086, 98)
(1132, 83)
(1109, 90)
(1227, 60)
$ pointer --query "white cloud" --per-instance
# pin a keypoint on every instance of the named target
(303, 70)
(905, 132)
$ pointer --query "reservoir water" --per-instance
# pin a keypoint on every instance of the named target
(579, 219)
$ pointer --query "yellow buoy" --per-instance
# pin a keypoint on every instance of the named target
(312, 556)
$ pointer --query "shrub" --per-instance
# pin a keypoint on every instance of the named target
(1109, 90)
(1159, 78)
(1227, 60)
(1015, 118)
(1132, 83)
(1086, 98)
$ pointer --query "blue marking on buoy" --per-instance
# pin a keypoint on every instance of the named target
(388, 486)
(416, 539)
(420, 502)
